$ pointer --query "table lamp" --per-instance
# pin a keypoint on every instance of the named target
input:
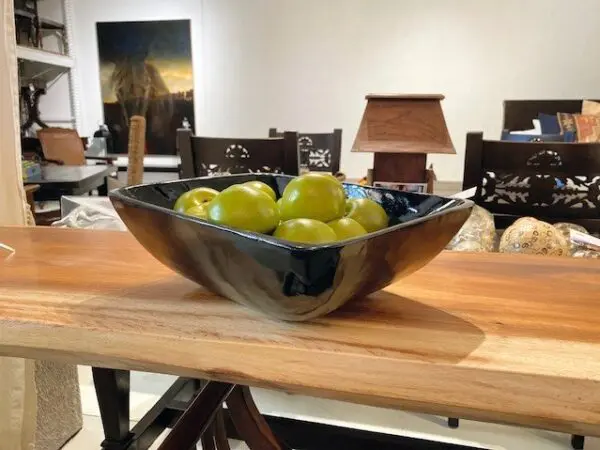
(401, 130)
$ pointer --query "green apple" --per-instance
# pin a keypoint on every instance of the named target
(263, 187)
(367, 213)
(198, 211)
(313, 196)
(347, 228)
(244, 208)
(306, 231)
(194, 197)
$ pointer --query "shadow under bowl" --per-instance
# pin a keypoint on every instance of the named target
(282, 279)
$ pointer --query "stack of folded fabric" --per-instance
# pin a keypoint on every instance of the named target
(586, 125)
(562, 127)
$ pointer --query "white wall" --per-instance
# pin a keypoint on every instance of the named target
(307, 64)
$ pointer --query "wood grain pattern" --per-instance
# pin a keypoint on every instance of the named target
(403, 124)
(406, 96)
(503, 338)
(405, 168)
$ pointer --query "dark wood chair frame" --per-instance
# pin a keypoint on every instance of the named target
(329, 141)
(281, 153)
(483, 156)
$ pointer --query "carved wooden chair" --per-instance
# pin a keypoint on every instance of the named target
(318, 152)
(554, 182)
(207, 156)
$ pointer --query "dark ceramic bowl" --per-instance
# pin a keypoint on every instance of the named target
(286, 280)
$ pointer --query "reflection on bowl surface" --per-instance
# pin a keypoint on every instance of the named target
(282, 279)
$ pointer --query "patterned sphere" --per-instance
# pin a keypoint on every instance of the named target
(534, 237)
(477, 234)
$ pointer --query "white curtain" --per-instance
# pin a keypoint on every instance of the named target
(17, 385)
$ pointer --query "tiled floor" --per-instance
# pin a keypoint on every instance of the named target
(146, 388)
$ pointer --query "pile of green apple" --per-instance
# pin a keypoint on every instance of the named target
(312, 210)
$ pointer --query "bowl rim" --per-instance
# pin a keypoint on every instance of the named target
(122, 194)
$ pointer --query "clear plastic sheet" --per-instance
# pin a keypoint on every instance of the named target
(91, 218)
(478, 234)
(565, 228)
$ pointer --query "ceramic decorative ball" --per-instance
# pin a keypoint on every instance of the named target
(565, 228)
(477, 234)
(524, 220)
(534, 237)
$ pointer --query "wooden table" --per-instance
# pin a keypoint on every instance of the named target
(152, 163)
(492, 337)
(56, 181)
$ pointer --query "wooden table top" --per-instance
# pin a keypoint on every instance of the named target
(502, 338)
(69, 176)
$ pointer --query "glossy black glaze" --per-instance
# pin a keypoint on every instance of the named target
(286, 280)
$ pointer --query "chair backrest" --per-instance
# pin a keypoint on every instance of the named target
(556, 182)
(62, 144)
(319, 152)
(518, 114)
(201, 156)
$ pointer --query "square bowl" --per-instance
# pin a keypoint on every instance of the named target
(286, 280)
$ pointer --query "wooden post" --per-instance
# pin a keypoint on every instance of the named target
(136, 150)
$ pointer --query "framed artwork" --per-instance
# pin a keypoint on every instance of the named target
(146, 70)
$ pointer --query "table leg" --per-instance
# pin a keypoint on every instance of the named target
(103, 188)
(112, 391)
(197, 422)
(577, 442)
(221, 440)
(249, 422)
(197, 414)
(208, 438)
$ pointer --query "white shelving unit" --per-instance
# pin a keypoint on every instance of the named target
(44, 57)
(53, 66)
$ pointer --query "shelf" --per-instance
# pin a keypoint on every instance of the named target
(45, 23)
(24, 13)
(43, 57)
(49, 24)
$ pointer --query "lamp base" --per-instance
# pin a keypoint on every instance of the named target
(400, 167)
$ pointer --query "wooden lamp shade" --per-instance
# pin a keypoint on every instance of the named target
(401, 130)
